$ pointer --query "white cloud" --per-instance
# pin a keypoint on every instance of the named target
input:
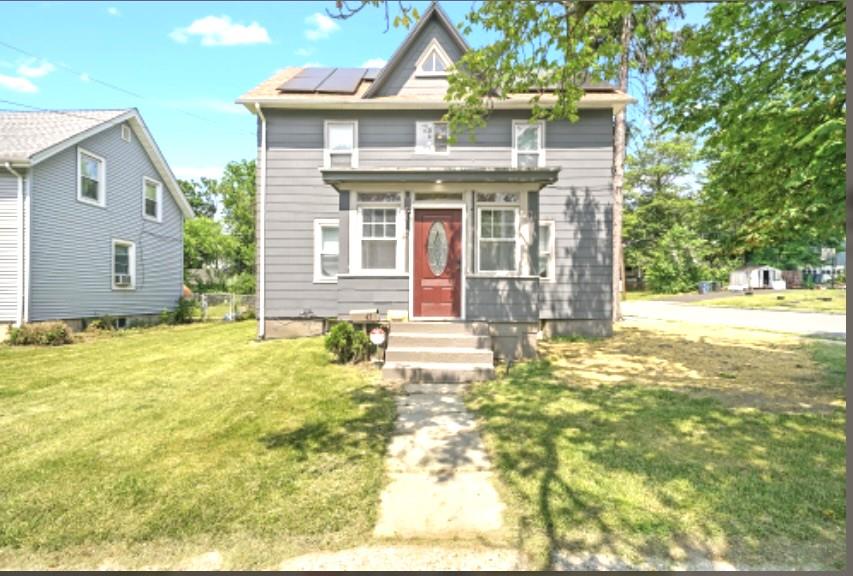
(304, 52)
(312, 65)
(375, 63)
(321, 26)
(197, 172)
(31, 70)
(113, 11)
(17, 84)
(221, 31)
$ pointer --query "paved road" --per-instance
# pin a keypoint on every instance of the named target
(805, 323)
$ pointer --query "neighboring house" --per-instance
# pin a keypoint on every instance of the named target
(756, 277)
(91, 218)
(364, 203)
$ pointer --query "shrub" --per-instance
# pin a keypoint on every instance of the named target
(243, 283)
(42, 334)
(677, 262)
(101, 323)
(182, 314)
(347, 343)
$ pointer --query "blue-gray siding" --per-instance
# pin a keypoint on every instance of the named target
(9, 246)
(71, 242)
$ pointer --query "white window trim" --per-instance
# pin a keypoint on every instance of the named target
(433, 45)
(131, 264)
(102, 180)
(319, 224)
(541, 151)
(327, 154)
(356, 237)
(552, 244)
(427, 151)
(125, 133)
(518, 243)
(159, 217)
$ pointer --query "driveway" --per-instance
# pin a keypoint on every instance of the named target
(804, 323)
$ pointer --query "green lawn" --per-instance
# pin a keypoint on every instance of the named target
(653, 445)
(156, 445)
(834, 301)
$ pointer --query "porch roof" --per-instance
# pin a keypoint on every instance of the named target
(438, 175)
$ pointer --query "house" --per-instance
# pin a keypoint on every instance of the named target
(756, 277)
(91, 218)
(364, 203)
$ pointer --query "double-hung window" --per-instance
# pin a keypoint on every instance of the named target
(341, 148)
(124, 265)
(431, 137)
(547, 261)
(326, 250)
(376, 241)
(152, 199)
(91, 176)
(498, 240)
(528, 144)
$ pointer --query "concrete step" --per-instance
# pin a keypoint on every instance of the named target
(431, 340)
(443, 354)
(479, 328)
(438, 371)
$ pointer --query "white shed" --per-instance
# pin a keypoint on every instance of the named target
(756, 277)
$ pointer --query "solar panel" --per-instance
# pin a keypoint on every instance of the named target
(372, 73)
(307, 80)
(342, 81)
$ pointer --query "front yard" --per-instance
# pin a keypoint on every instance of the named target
(833, 301)
(667, 446)
(175, 447)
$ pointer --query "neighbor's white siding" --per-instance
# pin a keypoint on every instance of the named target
(9, 247)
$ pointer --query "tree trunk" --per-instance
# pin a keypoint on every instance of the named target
(619, 175)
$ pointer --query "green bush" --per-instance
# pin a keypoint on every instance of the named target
(41, 334)
(182, 313)
(102, 323)
(347, 343)
(678, 262)
(243, 283)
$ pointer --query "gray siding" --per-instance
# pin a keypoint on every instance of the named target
(9, 238)
(385, 294)
(71, 252)
(502, 299)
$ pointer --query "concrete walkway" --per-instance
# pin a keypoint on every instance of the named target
(804, 323)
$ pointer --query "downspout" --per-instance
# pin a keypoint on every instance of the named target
(19, 305)
(262, 292)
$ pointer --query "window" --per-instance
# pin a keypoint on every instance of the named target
(547, 261)
(379, 238)
(90, 178)
(528, 143)
(152, 199)
(498, 231)
(124, 265)
(434, 61)
(125, 132)
(326, 250)
(341, 150)
(430, 137)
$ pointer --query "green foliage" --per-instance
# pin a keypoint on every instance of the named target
(183, 313)
(237, 191)
(243, 283)
(205, 243)
(677, 261)
(41, 334)
(101, 324)
(201, 196)
(347, 343)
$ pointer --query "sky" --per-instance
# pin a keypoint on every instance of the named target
(182, 64)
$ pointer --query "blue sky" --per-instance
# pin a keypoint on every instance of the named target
(181, 63)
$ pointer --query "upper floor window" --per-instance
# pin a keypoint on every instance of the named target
(341, 149)
(431, 137)
(434, 61)
(547, 261)
(528, 144)
(124, 265)
(326, 250)
(152, 199)
(91, 176)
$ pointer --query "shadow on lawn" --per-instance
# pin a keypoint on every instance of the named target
(621, 466)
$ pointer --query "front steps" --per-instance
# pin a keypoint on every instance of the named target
(439, 352)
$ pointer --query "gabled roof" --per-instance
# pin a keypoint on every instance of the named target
(27, 138)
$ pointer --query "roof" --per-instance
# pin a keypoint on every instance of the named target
(27, 138)
(441, 174)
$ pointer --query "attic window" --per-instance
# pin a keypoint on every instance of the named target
(434, 61)
(125, 132)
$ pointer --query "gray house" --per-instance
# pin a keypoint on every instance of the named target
(364, 204)
(91, 218)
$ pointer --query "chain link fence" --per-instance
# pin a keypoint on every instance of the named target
(222, 306)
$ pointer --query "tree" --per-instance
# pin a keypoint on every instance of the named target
(201, 195)
(237, 192)
(677, 262)
(205, 248)
(763, 85)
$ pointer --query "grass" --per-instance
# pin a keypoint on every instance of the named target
(152, 446)
(804, 300)
(661, 447)
(645, 295)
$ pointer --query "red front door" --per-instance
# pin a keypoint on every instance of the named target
(438, 263)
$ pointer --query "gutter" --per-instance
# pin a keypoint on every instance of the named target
(19, 305)
(262, 293)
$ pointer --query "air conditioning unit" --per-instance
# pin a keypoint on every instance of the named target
(122, 279)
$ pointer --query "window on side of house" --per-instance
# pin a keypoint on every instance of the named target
(326, 250)
(152, 199)
(341, 148)
(547, 260)
(528, 144)
(379, 238)
(498, 240)
(431, 137)
(91, 176)
(124, 265)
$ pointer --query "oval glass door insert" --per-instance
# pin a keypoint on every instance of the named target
(437, 248)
